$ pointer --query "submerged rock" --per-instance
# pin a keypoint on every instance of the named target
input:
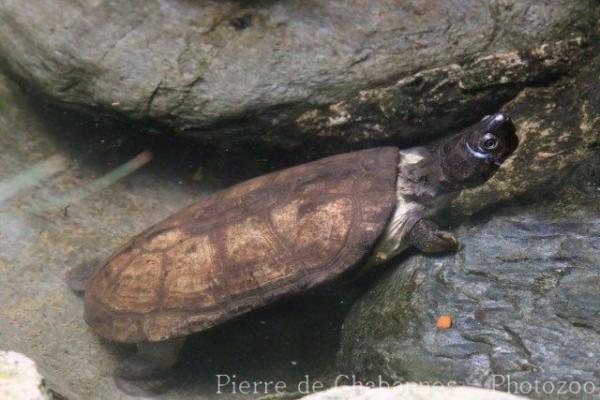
(20, 379)
(522, 294)
(559, 131)
(409, 392)
(288, 72)
(522, 298)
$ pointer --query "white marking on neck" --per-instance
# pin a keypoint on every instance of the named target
(410, 156)
(395, 237)
(477, 154)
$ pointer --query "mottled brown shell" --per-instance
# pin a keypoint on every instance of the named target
(244, 247)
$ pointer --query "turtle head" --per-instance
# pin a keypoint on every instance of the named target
(473, 156)
(493, 139)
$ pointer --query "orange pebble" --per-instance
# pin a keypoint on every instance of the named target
(444, 322)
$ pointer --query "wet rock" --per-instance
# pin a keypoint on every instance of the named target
(288, 72)
(559, 131)
(435, 101)
(409, 392)
(522, 297)
(20, 379)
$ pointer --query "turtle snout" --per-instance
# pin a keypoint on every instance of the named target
(501, 118)
(505, 130)
(498, 121)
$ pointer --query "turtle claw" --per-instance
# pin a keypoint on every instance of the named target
(443, 241)
(427, 237)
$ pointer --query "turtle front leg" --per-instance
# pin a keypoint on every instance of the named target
(426, 236)
(153, 360)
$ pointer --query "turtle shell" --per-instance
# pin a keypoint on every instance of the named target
(244, 247)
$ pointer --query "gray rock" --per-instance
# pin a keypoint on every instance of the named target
(522, 290)
(289, 72)
(409, 392)
(48, 227)
(522, 294)
(559, 132)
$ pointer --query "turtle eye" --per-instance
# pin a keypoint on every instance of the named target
(489, 142)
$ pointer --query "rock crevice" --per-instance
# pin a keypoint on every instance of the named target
(299, 71)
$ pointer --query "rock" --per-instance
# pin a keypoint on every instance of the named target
(409, 392)
(522, 295)
(559, 132)
(288, 72)
(20, 379)
(185, 66)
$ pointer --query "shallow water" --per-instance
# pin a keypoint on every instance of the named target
(64, 215)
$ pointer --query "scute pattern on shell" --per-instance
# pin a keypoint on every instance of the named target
(244, 247)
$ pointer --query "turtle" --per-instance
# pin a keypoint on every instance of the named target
(280, 234)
